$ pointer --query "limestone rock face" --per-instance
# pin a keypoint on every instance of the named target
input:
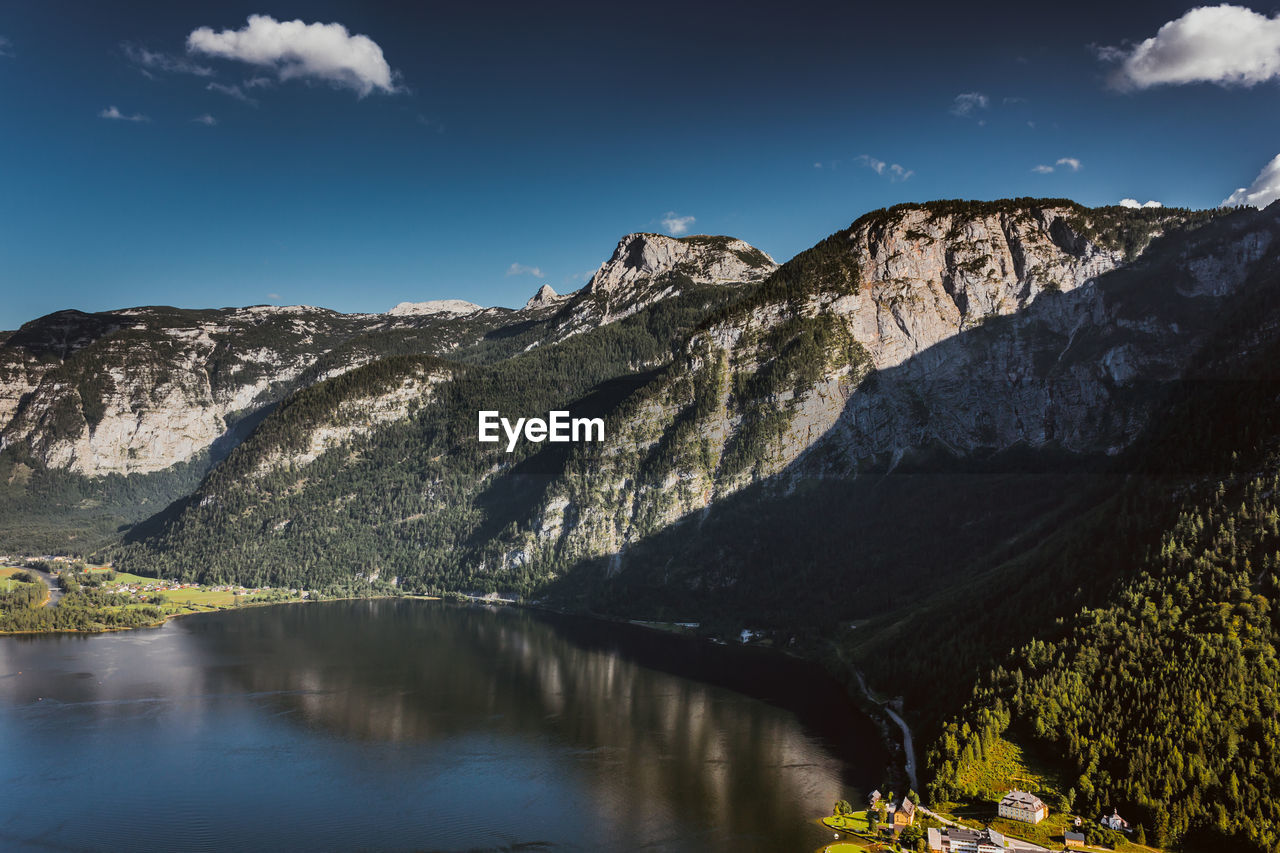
(435, 306)
(139, 390)
(966, 331)
(647, 268)
(143, 389)
(706, 260)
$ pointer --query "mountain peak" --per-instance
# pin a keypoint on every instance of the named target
(544, 297)
(705, 259)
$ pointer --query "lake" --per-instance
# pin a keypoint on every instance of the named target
(418, 725)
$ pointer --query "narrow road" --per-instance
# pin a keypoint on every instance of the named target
(908, 745)
(55, 591)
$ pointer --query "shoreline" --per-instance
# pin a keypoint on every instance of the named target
(169, 616)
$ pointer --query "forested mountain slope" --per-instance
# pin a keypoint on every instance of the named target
(105, 418)
(1157, 688)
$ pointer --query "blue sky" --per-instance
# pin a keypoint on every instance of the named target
(536, 135)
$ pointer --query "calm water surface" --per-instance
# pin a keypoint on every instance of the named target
(408, 725)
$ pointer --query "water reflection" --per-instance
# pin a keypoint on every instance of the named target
(421, 725)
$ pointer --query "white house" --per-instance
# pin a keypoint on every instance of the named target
(1019, 805)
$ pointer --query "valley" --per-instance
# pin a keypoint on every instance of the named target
(1001, 457)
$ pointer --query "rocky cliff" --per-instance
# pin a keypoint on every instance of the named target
(969, 329)
(646, 268)
(141, 390)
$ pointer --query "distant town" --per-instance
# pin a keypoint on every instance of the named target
(902, 824)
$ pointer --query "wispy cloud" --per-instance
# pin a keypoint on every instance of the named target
(206, 120)
(114, 114)
(892, 171)
(967, 104)
(297, 50)
(677, 225)
(1264, 189)
(1133, 202)
(430, 123)
(1063, 162)
(1227, 45)
(148, 60)
(6, 47)
(232, 91)
(522, 269)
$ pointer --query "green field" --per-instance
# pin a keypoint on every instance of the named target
(856, 822)
(124, 577)
(193, 598)
(204, 597)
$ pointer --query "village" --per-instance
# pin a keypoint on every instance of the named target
(904, 825)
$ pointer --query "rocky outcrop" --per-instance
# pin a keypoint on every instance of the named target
(647, 268)
(706, 260)
(544, 298)
(356, 418)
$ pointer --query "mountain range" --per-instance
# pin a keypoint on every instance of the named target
(1012, 458)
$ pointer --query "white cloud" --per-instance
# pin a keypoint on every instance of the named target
(296, 50)
(1133, 202)
(521, 269)
(892, 171)
(1227, 45)
(232, 91)
(205, 119)
(6, 47)
(967, 103)
(274, 297)
(1264, 189)
(115, 114)
(1066, 162)
(147, 59)
(677, 225)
